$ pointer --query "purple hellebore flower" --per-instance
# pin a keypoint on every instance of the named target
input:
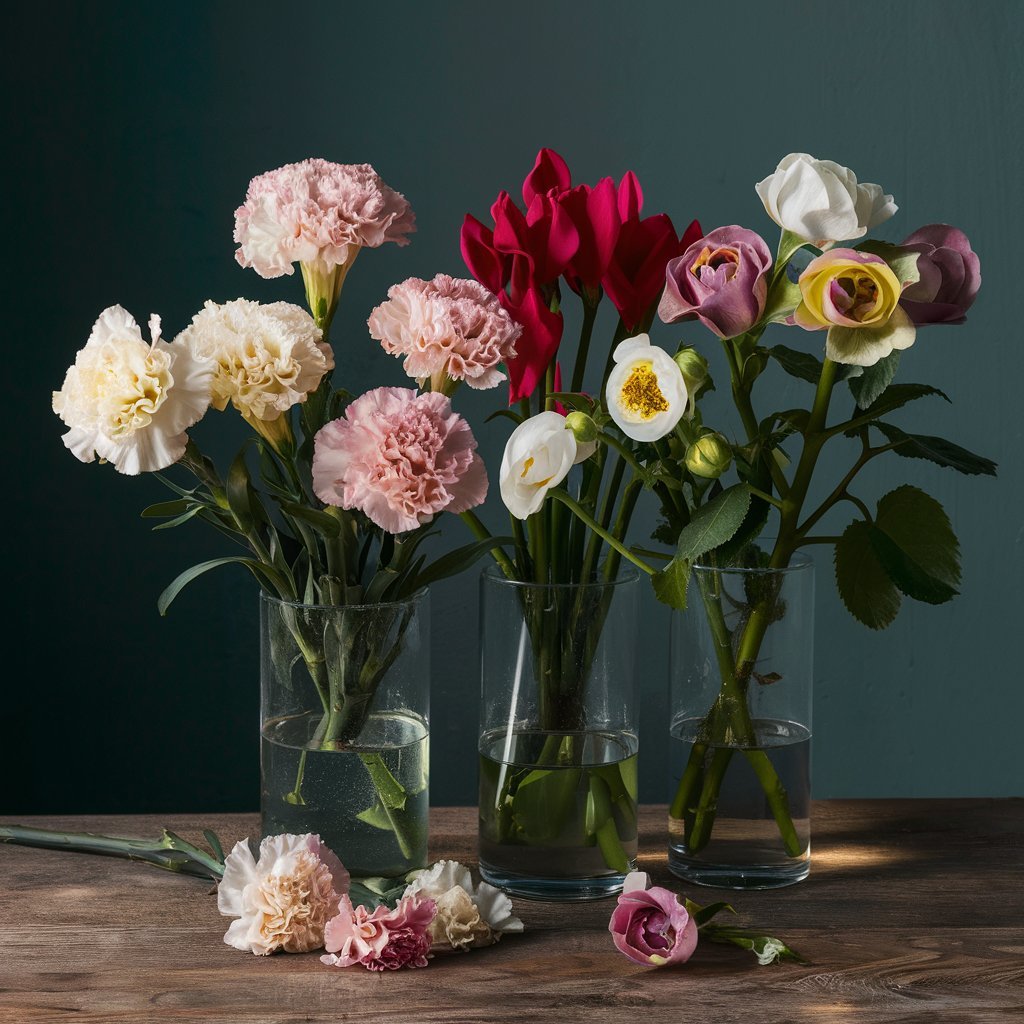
(950, 276)
(721, 280)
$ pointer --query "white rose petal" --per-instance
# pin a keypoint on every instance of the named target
(538, 456)
(821, 201)
(646, 393)
(130, 402)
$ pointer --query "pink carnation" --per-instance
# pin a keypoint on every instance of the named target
(317, 212)
(447, 327)
(399, 457)
(382, 940)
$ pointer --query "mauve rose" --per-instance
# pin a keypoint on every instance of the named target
(721, 280)
(653, 928)
(950, 276)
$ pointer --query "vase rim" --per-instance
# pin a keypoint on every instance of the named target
(414, 598)
(797, 563)
(626, 574)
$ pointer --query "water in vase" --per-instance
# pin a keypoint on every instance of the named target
(743, 847)
(558, 812)
(368, 802)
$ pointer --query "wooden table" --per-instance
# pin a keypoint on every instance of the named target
(914, 912)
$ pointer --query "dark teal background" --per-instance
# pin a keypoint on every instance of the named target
(132, 131)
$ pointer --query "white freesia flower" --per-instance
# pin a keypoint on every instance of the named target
(130, 402)
(771, 951)
(538, 456)
(646, 393)
(267, 357)
(821, 201)
(468, 916)
(283, 900)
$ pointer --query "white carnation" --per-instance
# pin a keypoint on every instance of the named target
(130, 402)
(266, 358)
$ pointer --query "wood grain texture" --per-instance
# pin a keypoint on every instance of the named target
(912, 915)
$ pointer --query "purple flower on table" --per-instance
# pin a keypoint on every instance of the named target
(721, 280)
(950, 276)
(651, 926)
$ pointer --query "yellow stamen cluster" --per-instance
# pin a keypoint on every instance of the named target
(640, 394)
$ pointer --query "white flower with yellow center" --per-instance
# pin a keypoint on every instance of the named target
(129, 401)
(646, 394)
(538, 456)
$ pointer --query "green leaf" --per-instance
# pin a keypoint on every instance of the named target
(670, 583)
(376, 817)
(390, 791)
(917, 545)
(323, 522)
(782, 300)
(258, 569)
(937, 450)
(215, 844)
(167, 508)
(864, 585)
(178, 520)
(544, 800)
(459, 560)
(902, 262)
(766, 948)
(805, 366)
(574, 400)
(898, 395)
(714, 523)
(874, 380)
(239, 494)
(701, 915)
(509, 414)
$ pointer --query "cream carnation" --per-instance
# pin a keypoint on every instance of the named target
(400, 458)
(283, 900)
(317, 212)
(446, 328)
(468, 916)
(266, 358)
(130, 402)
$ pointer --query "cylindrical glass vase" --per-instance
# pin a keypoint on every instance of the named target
(742, 665)
(344, 728)
(558, 736)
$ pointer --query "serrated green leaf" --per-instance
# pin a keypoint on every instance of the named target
(670, 583)
(874, 380)
(917, 546)
(898, 395)
(714, 523)
(805, 366)
(937, 450)
(864, 586)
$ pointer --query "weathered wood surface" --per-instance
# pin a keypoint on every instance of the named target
(913, 914)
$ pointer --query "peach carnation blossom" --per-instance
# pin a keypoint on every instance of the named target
(283, 900)
(266, 357)
(447, 329)
(314, 211)
(400, 458)
(380, 940)
(130, 401)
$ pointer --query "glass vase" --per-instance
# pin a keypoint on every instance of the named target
(558, 736)
(344, 728)
(742, 663)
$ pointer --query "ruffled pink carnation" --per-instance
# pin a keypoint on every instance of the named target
(317, 212)
(383, 940)
(447, 327)
(399, 457)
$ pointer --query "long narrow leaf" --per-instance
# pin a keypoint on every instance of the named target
(258, 569)
(460, 559)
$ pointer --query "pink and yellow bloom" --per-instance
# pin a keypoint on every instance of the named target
(381, 940)
(856, 296)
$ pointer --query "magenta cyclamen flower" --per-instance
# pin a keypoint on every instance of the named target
(399, 457)
(950, 276)
(653, 928)
(317, 213)
(721, 280)
(383, 940)
(446, 328)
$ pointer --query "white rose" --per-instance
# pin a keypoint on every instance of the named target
(821, 201)
(646, 393)
(538, 456)
(130, 402)
(266, 357)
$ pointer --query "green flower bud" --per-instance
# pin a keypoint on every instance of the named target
(694, 367)
(709, 456)
(583, 427)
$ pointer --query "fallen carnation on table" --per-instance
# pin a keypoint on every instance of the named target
(651, 927)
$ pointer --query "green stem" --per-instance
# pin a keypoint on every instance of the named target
(591, 523)
(586, 331)
(477, 528)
